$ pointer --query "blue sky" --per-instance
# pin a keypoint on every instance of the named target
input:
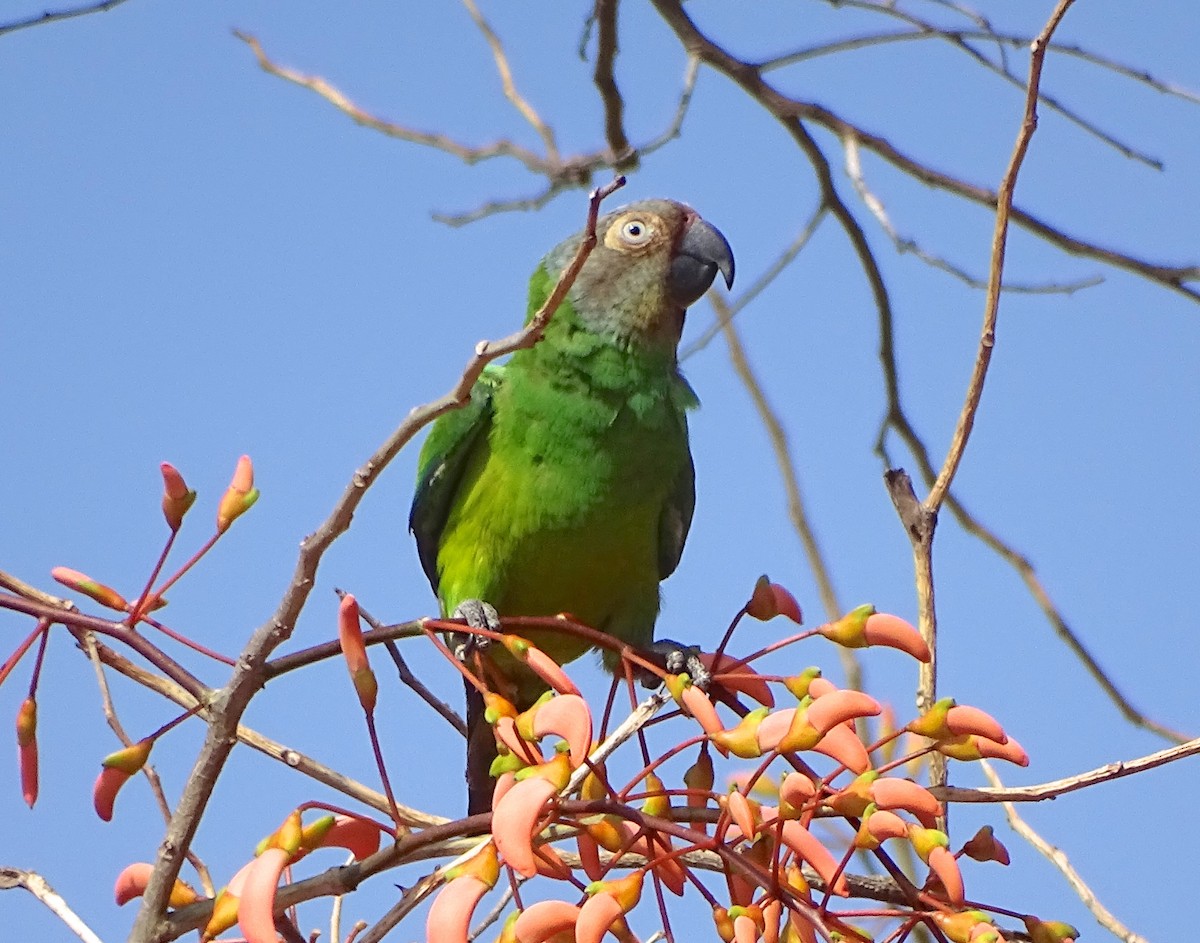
(202, 260)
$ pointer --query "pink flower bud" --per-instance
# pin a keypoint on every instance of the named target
(177, 499)
(350, 638)
(27, 749)
(105, 595)
(239, 497)
(770, 600)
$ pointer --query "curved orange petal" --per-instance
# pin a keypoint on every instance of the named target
(697, 703)
(883, 825)
(104, 792)
(449, 919)
(962, 718)
(358, 836)
(515, 818)
(796, 790)
(843, 745)
(741, 813)
(836, 707)
(810, 849)
(569, 716)
(890, 792)
(597, 914)
(256, 909)
(132, 882)
(882, 628)
(747, 681)
(541, 921)
(943, 863)
(745, 930)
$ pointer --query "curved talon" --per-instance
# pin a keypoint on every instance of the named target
(478, 615)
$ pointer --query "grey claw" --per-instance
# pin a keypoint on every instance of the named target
(678, 659)
(478, 615)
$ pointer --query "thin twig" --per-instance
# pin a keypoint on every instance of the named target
(987, 341)
(1060, 787)
(1060, 861)
(906, 244)
(53, 16)
(37, 886)
(624, 157)
(510, 88)
(759, 285)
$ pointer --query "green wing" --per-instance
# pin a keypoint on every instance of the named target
(676, 517)
(676, 520)
(440, 468)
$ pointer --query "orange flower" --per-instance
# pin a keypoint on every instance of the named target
(350, 638)
(239, 497)
(80, 582)
(133, 881)
(27, 749)
(177, 499)
(770, 600)
(118, 769)
(863, 627)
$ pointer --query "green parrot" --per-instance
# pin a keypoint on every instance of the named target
(566, 484)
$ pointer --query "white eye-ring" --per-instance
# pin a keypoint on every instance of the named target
(636, 232)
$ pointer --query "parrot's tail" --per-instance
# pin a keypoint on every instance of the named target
(481, 750)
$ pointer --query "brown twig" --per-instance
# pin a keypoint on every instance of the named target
(151, 774)
(37, 885)
(1004, 199)
(624, 157)
(53, 16)
(509, 86)
(907, 245)
(1060, 787)
(1060, 861)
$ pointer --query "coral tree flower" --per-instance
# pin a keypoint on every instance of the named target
(27, 749)
(177, 498)
(133, 881)
(82, 583)
(350, 638)
(239, 497)
(256, 908)
(864, 627)
(770, 600)
(449, 919)
(118, 769)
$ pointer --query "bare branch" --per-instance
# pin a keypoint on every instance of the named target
(905, 244)
(510, 88)
(37, 886)
(1057, 858)
(623, 155)
(791, 112)
(1060, 787)
(987, 340)
(53, 16)
(797, 511)
(759, 285)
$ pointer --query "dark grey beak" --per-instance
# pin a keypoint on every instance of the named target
(701, 253)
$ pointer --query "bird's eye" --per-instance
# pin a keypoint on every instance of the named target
(635, 232)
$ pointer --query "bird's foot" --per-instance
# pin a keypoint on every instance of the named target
(478, 615)
(677, 658)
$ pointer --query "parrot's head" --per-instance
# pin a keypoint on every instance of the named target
(652, 259)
